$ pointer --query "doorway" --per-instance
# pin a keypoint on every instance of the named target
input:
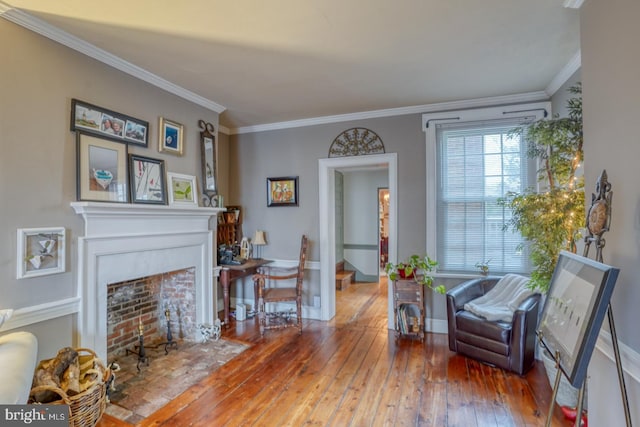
(383, 230)
(327, 239)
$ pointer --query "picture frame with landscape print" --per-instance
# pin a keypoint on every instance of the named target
(171, 136)
(101, 172)
(578, 298)
(282, 191)
(109, 124)
(182, 189)
(147, 178)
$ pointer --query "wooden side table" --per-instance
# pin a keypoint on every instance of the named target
(230, 272)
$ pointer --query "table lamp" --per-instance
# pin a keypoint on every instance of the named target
(258, 241)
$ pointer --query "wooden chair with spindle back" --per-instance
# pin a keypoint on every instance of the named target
(277, 293)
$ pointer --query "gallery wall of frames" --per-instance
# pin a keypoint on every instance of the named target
(107, 172)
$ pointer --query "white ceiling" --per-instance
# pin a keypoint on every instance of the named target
(283, 60)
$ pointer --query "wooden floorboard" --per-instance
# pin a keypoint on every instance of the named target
(352, 371)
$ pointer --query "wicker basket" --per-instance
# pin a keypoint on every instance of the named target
(85, 408)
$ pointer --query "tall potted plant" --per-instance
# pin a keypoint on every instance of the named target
(550, 218)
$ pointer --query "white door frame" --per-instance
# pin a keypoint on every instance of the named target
(327, 218)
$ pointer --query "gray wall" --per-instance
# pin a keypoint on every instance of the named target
(38, 158)
(610, 64)
(223, 164)
(559, 100)
(295, 151)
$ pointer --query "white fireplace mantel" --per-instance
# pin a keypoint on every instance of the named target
(141, 219)
(129, 241)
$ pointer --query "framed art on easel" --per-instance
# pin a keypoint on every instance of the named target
(573, 312)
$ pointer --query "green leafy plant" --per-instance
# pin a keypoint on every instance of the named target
(415, 267)
(483, 266)
(550, 220)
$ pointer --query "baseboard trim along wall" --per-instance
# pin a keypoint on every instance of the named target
(603, 388)
(629, 358)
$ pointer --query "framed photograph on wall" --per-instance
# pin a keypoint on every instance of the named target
(147, 178)
(578, 298)
(171, 136)
(109, 124)
(282, 191)
(101, 172)
(182, 189)
(41, 251)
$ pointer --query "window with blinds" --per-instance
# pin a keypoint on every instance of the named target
(477, 163)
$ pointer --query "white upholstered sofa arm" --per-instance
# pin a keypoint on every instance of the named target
(18, 354)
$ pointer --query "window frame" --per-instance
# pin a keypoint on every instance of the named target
(538, 110)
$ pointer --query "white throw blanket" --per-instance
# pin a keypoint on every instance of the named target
(502, 300)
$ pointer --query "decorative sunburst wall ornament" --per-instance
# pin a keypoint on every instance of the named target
(356, 142)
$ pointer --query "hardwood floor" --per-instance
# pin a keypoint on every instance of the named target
(352, 372)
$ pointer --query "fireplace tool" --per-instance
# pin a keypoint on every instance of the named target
(142, 355)
(169, 342)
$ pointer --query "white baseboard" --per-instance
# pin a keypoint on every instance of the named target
(308, 312)
(629, 358)
(436, 326)
(603, 388)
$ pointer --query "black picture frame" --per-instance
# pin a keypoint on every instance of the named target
(109, 124)
(578, 298)
(282, 191)
(148, 180)
(101, 169)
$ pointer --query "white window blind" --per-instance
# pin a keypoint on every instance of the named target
(477, 163)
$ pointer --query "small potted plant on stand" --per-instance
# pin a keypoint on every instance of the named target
(410, 277)
(415, 267)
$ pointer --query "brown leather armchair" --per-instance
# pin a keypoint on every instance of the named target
(508, 345)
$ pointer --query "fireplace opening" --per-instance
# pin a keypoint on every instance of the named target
(144, 305)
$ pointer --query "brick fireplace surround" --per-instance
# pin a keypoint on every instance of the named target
(127, 241)
(145, 300)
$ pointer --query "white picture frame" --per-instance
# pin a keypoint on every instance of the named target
(41, 251)
(182, 189)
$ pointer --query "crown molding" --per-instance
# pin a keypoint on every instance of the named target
(224, 129)
(565, 74)
(49, 31)
(417, 109)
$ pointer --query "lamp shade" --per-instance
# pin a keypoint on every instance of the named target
(259, 238)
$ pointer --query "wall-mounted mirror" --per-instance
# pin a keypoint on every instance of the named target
(209, 169)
